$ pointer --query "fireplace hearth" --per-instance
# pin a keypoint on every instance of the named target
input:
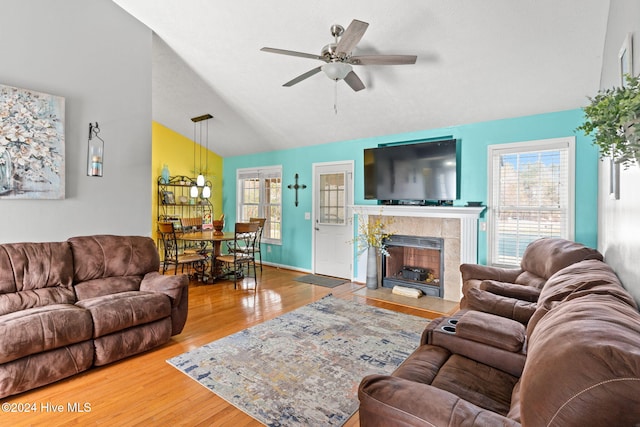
(414, 262)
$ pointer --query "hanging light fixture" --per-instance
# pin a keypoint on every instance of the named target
(200, 181)
(206, 190)
(200, 178)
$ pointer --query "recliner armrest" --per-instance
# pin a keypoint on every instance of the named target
(486, 272)
(387, 400)
(172, 286)
(441, 333)
(512, 290)
(493, 330)
(511, 308)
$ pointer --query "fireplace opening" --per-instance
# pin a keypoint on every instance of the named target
(414, 262)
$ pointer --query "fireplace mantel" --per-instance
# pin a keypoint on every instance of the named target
(421, 211)
(468, 233)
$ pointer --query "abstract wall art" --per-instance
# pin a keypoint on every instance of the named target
(32, 144)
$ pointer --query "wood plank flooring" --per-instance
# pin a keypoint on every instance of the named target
(144, 390)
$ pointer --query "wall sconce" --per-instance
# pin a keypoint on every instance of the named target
(95, 151)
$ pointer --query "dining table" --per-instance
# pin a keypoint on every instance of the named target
(215, 238)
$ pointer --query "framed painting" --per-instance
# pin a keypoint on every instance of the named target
(31, 144)
(625, 59)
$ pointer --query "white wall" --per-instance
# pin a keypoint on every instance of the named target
(99, 58)
(619, 220)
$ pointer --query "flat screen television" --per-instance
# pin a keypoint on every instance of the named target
(424, 172)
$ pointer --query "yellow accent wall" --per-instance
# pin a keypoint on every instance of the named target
(176, 151)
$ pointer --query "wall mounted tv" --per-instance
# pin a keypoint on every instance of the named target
(418, 173)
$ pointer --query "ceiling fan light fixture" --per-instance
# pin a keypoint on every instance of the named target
(336, 70)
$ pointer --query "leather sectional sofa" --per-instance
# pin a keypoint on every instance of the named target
(575, 361)
(89, 301)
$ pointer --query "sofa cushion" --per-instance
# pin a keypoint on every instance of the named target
(100, 256)
(106, 286)
(545, 256)
(39, 329)
(583, 365)
(578, 280)
(529, 279)
(34, 275)
(116, 312)
(482, 385)
(43, 368)
(423, 364)
(496, 331)
(131, 341)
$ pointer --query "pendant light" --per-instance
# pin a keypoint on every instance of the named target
(206, 190)
(193, 192)
(200, 181)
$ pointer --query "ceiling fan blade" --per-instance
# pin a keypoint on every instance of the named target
(301, 77)
(292, 53)
(354, 81)
(351, 37)
(383, 59)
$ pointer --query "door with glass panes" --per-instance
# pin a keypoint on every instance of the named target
(333, 226)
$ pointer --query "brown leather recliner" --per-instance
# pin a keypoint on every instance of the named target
(581, 365)
(513, 292)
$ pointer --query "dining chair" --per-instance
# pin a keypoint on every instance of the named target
(245, 236)
(173, 254)
(232, 246)
(190, 225)
(257, 248)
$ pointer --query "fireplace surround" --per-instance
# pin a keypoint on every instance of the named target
(456, 225)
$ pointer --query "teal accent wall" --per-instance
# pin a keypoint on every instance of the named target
(474, 138)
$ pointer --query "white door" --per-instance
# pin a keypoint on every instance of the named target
(333, 225)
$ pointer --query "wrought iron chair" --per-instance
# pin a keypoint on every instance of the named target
(190, 225)
(236, 260)
(256, 249)
(173, 254)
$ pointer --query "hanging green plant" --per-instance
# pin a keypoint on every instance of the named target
(612, 117)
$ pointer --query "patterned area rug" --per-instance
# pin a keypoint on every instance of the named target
(304, 367)
(328, 282)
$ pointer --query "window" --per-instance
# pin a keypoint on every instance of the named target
(531, 195)
(260, 196)
(332, 201)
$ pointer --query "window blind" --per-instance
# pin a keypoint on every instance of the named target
(531, 196)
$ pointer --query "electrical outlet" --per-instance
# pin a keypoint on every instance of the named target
(483, 226)
(307, 215)
(268, 248)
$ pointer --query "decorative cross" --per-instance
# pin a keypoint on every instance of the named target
(296, 187)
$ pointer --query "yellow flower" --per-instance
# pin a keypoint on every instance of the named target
(373, 233)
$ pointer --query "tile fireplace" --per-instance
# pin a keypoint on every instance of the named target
(456, 226)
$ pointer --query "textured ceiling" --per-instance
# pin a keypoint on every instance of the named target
(477, 61)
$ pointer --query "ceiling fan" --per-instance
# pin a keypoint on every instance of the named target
(338, 56)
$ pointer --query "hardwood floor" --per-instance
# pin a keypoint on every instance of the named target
(144, 390)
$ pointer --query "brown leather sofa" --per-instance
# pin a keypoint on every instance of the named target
(92, 300)
(513, 292)
(576, 363)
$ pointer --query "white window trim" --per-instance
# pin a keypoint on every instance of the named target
(266, 171)
(519, 147)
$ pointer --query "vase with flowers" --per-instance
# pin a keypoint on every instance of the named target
(372, 236)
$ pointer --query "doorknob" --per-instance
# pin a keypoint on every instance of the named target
(317, 229)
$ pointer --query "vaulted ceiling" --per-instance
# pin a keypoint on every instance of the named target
(477, 61)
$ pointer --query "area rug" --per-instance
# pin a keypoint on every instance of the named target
(303, 368)
(328, 282)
